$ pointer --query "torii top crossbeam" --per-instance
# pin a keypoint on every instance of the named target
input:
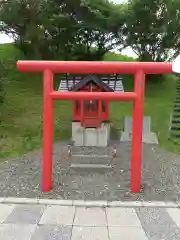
(95, 67)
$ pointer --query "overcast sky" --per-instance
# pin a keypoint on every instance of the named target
(6, 39)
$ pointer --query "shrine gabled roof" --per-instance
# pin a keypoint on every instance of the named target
(68, 82)
(91, 78)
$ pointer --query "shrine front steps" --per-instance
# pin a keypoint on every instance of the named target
(93, 161)
(90, 166)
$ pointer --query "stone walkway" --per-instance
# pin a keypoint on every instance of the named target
(32, 219)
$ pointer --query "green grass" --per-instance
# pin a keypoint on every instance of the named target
(21, 126)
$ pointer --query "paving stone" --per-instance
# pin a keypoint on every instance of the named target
(127, 233)
(157, 224)
(5, 211)
(90, 217)
(174, 213)
(58, 215)
(52, 232)
(89, 233)
(16, 232)
(30, 214)
(122, 217)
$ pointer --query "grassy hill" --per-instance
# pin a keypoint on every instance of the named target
(21, 125)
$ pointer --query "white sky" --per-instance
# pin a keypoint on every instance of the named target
(6, 39)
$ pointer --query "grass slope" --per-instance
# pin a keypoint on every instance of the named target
(21, 126)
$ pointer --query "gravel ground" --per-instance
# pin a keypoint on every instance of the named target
(160, 177)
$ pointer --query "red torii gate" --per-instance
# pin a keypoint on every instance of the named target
(139, 69)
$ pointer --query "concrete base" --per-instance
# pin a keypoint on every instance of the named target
(150, 138)
(90, 136)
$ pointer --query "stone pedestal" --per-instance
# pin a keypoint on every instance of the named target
(90, 136)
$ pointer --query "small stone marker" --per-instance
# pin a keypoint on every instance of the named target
(147, 136)
(146, 124)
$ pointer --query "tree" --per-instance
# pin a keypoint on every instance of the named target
(153, 29)
(23, 19)
(56, 28)
(101, 31)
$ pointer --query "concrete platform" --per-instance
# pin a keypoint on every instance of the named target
(90, 137)
(150, 138)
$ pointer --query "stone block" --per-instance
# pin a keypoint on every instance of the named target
(123, 217)
(103, 135)
(52, 232)
(146, 124)
(77, 134)
(135, 233)
(91, 137)
(58, 215)
(92, 217)
(26, 214)
(90, 233)
(5, 210)
(16, 231)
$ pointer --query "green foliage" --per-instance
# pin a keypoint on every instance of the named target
(2, 82)
(88, 29)
(153, 29)
(56, 29)
(111, 56)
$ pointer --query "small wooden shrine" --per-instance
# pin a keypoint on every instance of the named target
(90, 120)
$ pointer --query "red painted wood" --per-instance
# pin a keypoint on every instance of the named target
(115, 96)
(136, 159)
(47, 133)
(95, 67)
(93, 122)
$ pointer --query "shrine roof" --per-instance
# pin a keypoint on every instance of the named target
(108, 82)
